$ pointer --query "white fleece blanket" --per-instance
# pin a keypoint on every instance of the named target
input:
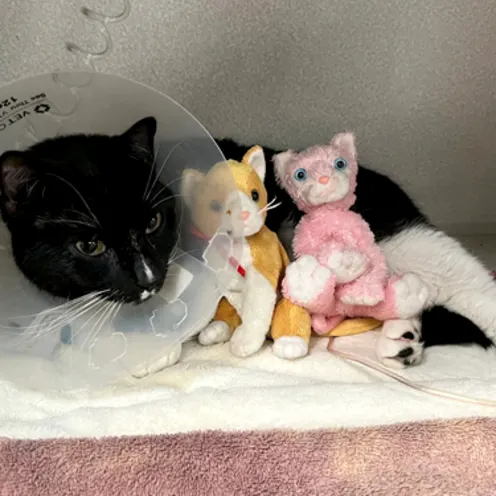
(210, 389)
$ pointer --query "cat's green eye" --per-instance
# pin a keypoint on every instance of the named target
(91, 248)
(154, 223)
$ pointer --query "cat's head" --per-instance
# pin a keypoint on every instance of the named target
(323, 174)
(87, 213)
(213, 197)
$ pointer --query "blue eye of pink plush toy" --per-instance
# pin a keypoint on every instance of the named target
(300, 175)
(340, 164)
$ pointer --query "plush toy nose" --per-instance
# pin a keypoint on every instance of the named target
(324, 179)
(245, 214)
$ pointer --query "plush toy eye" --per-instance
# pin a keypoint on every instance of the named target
(91, 248)
(154, 223)
(255, 195)
(340, 164)
(300, 175)
(216, 205)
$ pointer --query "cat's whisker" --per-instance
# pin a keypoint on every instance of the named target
(115, 313)
(155, 205)
(80, 328)
(67, 222)
(66, 317)
(32, 334)
(152, 168)
(106, 320)
(157, 176)
(100, 322)
(95, 315)
(164, 188)
(78, 193)
(66, 304)
(79, 214)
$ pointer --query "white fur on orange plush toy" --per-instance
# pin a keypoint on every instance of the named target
(340, 271)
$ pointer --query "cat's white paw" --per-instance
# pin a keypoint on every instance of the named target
(399, 344)
(346, 265)
(167, 360)
(305, 279)
(290, 347)
(411, 295)
(246, 341)
(216, 332)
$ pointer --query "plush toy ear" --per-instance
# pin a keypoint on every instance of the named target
(190, 181)
(140, 137)
(281, 161)
(345, 142)
(15, 175)
(256, 158)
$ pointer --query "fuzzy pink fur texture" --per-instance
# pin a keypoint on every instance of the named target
(339, 265)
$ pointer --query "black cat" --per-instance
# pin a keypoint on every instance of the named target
(86, 213)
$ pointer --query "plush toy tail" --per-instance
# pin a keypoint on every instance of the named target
(350, 327)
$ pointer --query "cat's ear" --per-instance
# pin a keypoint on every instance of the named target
(140, 136)
(345, 142)
(190, 181)
(15, 176)
(256, 158)
(281, 161)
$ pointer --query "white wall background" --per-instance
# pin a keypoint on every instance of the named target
(415, 79)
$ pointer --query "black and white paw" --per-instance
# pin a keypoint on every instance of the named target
(400, 344)
(411, 295)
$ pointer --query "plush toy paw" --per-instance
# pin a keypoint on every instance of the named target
(290, 347)
(411, 295)
(346, 265)
(246, 341)
(216, 332)
(361, 294)
(305, 280)
(399, 344)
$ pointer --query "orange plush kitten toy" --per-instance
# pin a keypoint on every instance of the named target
(253, 307)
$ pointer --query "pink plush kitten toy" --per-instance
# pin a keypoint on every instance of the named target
(340, 271)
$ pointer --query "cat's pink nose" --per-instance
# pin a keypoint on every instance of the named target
(324, 179)
(244, 215)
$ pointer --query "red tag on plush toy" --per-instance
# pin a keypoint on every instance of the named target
(232, 261)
